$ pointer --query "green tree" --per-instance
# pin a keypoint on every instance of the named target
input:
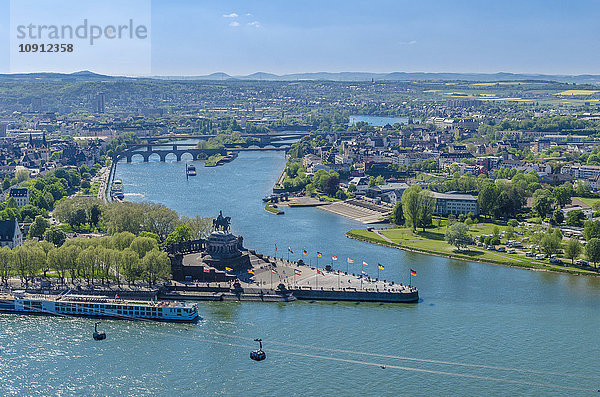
(575, 218)
(458, 235)
(22, 175)
(122, 240)
(488, 199)
(592, 250)
(332, 184)
(131, 266)
(156, 266)
(542, 202)
(573, 249)
(6, 263)
(591, 229)
(38, 227)
(55, 235)
(557, 217)
(426, 208)
(410, 206)
(562, 195)
(143, 245)
(551, 242)
(397, 215)
(181, 233)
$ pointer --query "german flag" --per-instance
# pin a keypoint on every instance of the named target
(380, 266)
(413, 273)
(304, 252)
(319, 254)
(250, 271)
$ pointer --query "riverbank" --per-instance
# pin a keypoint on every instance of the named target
(432, 243)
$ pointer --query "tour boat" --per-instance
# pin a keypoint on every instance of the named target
(20, 302)
(117, 185)
(190, 170)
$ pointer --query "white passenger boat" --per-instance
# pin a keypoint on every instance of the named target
(19, 302)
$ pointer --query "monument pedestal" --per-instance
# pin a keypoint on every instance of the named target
(223, 249)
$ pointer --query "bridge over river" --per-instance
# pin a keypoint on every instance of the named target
(180, 149)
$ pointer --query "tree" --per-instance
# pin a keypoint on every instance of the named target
(558, 217)
(122, 240)
(6, 263)
(131, 265)
(397, 216)
(562, 195)
(143, 245)
(573, 249)
(542, 202)
(55, 235)
(410, 206)
(551, 242)
(351, 188)
(426, 207)
(592, 250)
(38, 227)
(21, 175)
(487, 199)
(332, 185)
(181, 233)
(159, 219)
(513, 223)
(458, 235)
(591, 229)
(575, 218)
(156, 266)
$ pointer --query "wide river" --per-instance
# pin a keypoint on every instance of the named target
(479, 329)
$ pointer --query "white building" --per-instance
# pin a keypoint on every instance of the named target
(10, 234)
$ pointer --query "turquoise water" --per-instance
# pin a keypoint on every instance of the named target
(471, 313)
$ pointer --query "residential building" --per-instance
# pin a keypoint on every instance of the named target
(21, 196)
(10, 234)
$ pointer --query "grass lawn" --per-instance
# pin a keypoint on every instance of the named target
(588, 200)
(432, 241)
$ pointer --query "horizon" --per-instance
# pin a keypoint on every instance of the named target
(464, 36)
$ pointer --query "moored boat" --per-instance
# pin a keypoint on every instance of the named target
(20, 302)
(190, 170)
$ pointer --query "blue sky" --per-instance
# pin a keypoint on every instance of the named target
(242, 37)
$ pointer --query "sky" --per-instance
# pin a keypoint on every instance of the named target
(242, 37)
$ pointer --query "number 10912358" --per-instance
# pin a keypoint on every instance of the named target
(45, 47)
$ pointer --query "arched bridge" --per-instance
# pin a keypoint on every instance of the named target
(180, 149)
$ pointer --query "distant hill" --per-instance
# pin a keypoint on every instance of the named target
(329, 76)
(396, 76)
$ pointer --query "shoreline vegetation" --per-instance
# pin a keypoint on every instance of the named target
(430, 243)
(273, 210)
(213, 160)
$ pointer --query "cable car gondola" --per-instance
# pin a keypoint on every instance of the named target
(98, 335)
(258, 355)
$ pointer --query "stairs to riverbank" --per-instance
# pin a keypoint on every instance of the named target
(358, 210)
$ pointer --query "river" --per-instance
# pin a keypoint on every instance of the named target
(481, 329)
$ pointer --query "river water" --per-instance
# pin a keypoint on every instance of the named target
(478, 329)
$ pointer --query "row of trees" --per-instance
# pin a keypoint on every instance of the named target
(121, 256)
(156, 219)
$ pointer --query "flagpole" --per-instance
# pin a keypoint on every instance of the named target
(271, 277)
